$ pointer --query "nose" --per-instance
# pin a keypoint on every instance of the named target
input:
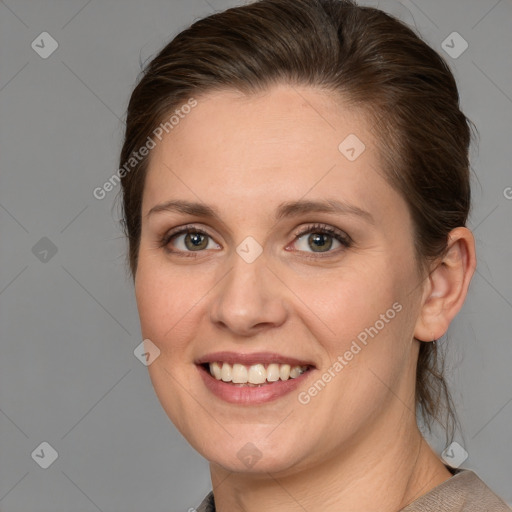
(250, 299)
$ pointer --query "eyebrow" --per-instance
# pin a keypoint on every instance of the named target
(286, 209)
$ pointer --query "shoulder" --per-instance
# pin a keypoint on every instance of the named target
(207, 505)
(463, 492)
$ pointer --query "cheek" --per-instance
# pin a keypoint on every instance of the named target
(366, 365)
(367, 327)
(166, 302)
(354, 299)
(166, 311)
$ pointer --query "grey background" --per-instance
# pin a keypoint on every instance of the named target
(69, 324)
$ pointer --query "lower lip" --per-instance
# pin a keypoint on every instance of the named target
(250, 395)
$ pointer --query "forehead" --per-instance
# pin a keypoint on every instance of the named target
(279, 144)
(285, 120)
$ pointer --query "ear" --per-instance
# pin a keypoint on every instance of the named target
(447, 285)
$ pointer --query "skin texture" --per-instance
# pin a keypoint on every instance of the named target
(356, 442)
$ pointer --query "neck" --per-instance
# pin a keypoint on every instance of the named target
(373, 475)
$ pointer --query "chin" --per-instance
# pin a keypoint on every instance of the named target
(259, 455)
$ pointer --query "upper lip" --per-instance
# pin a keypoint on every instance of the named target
(250, 359)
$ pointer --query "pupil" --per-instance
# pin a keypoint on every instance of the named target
(318, 240)
(195, 241)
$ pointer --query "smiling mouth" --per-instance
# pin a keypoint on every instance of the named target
(255, 375)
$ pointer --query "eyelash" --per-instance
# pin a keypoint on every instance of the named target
(341, 237)
(323, 229)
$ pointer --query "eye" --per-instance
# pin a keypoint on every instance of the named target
(314, 239)
(321, 239)
(188, 239)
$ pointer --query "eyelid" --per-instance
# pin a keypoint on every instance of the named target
(341, 237)
(322, 228)
(181, 230)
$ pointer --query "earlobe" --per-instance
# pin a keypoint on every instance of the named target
(448, 284)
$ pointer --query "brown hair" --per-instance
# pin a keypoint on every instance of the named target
(369, 59)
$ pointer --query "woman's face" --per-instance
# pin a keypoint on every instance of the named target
(298, 253)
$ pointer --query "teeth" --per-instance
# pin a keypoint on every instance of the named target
(284, 372)
(255, 374)
(295, 372)
(225, 374)
(239, 374)
(216, 370)
(273, 372)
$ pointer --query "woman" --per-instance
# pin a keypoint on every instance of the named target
(295, 201)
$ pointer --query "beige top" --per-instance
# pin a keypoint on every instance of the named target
(463, 492)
